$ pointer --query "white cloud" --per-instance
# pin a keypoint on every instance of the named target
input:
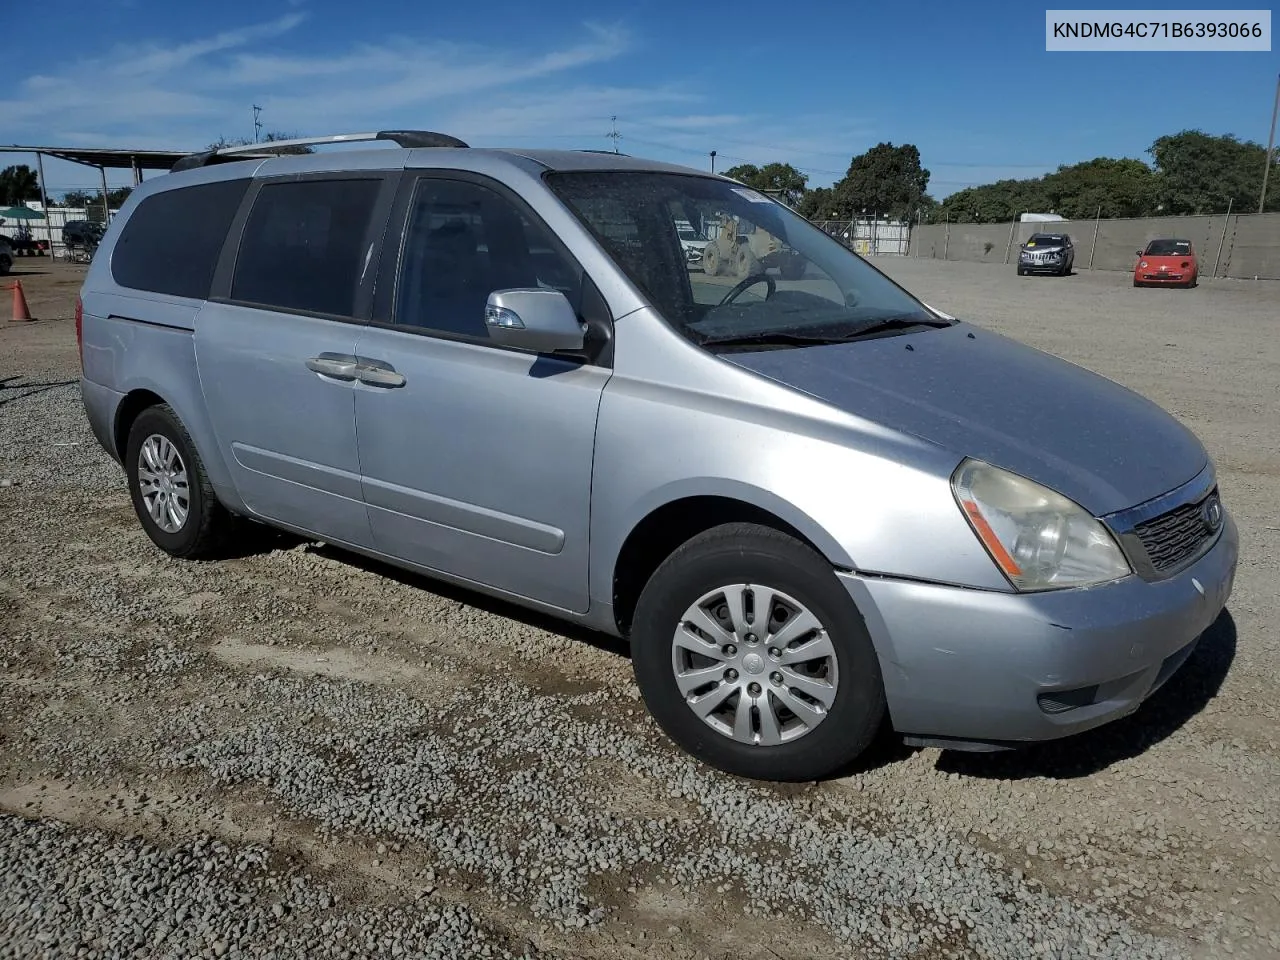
(184, 93)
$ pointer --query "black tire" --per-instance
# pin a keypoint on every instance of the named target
(1137, 283)
(208, 526)
(793, 268)
(5, 265)
(747, 553)
(711, 261)
(1021, 272)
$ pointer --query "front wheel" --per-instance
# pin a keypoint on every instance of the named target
(752, 656)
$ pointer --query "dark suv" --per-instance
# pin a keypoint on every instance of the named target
(82, 233)
(1047, 253)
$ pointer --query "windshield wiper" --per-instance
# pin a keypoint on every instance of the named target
(782, 338)
(769, 339)
(895, 323)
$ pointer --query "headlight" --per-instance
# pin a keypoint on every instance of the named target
(1143, 264)
(1039, 538)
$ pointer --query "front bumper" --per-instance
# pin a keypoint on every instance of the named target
(984, 667)
(1157, 277)
(1042, 266)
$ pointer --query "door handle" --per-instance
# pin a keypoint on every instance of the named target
(340, 368)
(378, 376)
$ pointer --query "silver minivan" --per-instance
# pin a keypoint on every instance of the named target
(815, 507)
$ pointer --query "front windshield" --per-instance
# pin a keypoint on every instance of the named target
(764, 270)
(1168, 248)
(1046, 240)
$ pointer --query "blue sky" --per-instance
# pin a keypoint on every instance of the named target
(807, 83)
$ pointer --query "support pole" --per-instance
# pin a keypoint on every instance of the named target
(44, 200)
(1008, 248)
(1223, 240)
(1094, 247)
(1271, 142)
(106, 207)
(946, 240)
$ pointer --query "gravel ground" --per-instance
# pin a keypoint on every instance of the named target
(295, 753)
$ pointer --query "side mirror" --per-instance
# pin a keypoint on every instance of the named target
(534, 319)
(1138, 253)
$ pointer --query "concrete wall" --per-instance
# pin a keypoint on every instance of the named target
(1250, 243)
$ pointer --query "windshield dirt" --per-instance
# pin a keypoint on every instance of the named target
(765, 272)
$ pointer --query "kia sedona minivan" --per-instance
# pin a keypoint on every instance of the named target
(813, 505)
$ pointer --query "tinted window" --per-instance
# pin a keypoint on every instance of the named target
(1049, 240)
(465, 241)
(172, 242)
(304, 245)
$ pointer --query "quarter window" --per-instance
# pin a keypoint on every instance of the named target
(172, 242)
(305, 244)
(463, 242)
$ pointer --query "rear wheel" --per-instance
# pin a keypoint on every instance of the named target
(170, 490)
(753, 658)
(746, 264)
(5, 265)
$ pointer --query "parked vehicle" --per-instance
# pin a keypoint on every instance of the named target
(6, 257)
(1047, 253)
(812, 506)
(82, 233)
(691, 241)
(1167, 263)
(739, 249)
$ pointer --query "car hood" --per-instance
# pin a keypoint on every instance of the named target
(982, 395)
(1168, 261)
(1046, 249)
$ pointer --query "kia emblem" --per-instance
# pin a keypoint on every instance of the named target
(1211, 513)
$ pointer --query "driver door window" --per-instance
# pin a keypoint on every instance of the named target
(463, 242)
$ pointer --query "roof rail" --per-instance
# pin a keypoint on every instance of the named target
(266, 149)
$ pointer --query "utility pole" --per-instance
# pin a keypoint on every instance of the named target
(257, 124)
(1271, 142)
(713, 161)
(613, 133)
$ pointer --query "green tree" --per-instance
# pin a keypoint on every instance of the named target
(886, 180)
(17, 185)
(91, 200)
(1117, 188)
(1200, 173)
(818, 204)
(782, 179)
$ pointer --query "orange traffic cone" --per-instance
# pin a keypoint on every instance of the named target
(20, 310)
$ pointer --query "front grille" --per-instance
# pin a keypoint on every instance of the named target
(1162, 276)
(1175, 537)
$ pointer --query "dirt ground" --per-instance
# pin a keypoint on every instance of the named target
(311, 753)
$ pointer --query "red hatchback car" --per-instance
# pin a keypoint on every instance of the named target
(1167, 263)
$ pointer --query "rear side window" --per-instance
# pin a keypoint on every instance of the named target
(303, 245)
(172, 242)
